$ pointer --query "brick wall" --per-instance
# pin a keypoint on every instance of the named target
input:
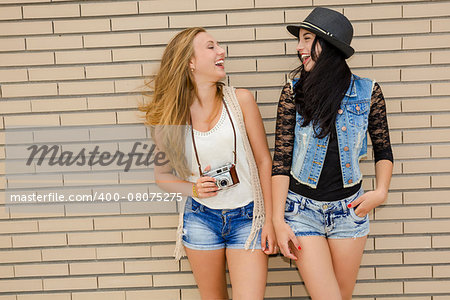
(72, 70)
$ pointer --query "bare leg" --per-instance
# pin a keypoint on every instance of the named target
(208, 267)
(316, 268)
(346, 255)
(248, 273)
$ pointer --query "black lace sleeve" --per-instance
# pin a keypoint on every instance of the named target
(284, 133)
(378, 126)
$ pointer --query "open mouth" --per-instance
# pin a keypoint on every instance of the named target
(220, 63)
(305, 57)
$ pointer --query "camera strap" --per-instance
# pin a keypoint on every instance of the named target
(195, 147)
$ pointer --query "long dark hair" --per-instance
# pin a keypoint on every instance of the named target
(318, 93)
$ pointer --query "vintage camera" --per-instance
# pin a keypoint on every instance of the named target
(225, 176)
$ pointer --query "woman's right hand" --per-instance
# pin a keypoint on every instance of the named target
(206, 186)
(285, 234)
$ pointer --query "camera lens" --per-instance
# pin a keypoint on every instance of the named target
(223, 182)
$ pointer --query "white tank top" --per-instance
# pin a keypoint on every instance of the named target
(215, 148)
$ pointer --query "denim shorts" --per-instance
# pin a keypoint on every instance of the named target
(211, 229)
(332, 219)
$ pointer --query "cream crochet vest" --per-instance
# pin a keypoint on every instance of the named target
(258, 210)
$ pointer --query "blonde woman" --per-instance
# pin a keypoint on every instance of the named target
(226, 218)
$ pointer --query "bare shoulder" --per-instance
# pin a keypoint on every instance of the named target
(245, 98)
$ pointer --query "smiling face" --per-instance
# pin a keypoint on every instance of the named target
(208, 60)
(304, 46)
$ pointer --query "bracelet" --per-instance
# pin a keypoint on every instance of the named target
(194, 190)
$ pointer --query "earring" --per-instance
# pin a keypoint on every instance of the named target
(192, 69)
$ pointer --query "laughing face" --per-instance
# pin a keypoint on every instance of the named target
(208, 60)
(305, 41)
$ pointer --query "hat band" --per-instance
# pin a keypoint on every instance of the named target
(317, 28)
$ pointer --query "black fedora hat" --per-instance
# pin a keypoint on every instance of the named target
(331, 25)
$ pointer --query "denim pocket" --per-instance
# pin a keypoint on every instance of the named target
(357, 113)
(355, 216)
(192, 206)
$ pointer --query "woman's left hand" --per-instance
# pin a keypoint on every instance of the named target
(268, 238)
(368, 201)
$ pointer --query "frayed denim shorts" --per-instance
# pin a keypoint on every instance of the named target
(211, 229)
(308, 217)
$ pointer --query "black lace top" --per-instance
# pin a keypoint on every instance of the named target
(330, 185)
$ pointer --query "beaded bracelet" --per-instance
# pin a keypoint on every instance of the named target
(194, 190)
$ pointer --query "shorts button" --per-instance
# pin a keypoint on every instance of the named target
(344, 128)
(324, 206)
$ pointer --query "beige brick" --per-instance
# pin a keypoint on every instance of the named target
(26, 28)
(10, 13)
(377, 288)
(277, 291)
(410, 182)
(253, 80)
(203, 20)
(142, 53)
(269, 127)
(366, 273)
(281, 3)
(256, 49)
(12, 44)
(37, 74)
(433, 226)
(7, 272)
(108, 267)
(425, 42)
(65, 104)
(91, 238)
(5, 242)
(31, 121)
(54, 42)
(111, 40)
(164, 221)
(402, 242)
(52, 296)
(381, 75)
(219, 5)
(407, 297)
(426, 10)
(130, 85)
(440, 120)
(440, 150)
(339, 2)
(440, 181)
(41, 270)
(441, 241)
(72, 224)
(426, 197)
(441, 271)
(295, 16)
(401, 27)
(418, 74)
(406, 90)
(100, 118)
(82, 25)
(440, 57)
(440, 89)
(407, 151)
(123, 252)
(83, 57)
(426, 166)
(401, 59)
(283, 276)
(125, 281)
(255, 17)
(231, 34)
(427, 286)
(414, 212)
(18, 256)
(150, 6)
(15, 107)
(272, 33)
(73, 283)
(20, 285)
(139, 236)
(39, 240)
(111, 102)
(277, 64)
(141, 22)
(151, 266)
(26, 90)
(51, 11)
(68, 254)
(128, 117)
(360, 60)
(240, 65)
(154, 294)
(440, 25)
(13, 75)
(115, 295)
(112, 8)
(86, 87)
(382, 228)
(426, 136)
(111, 71)
(377, 43)
(121, 223)
(376, 12)
(163, 250)
(299, 291)
(173, 280)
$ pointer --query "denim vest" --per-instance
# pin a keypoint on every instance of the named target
(351, 127)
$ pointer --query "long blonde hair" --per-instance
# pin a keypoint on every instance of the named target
(174, 90)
